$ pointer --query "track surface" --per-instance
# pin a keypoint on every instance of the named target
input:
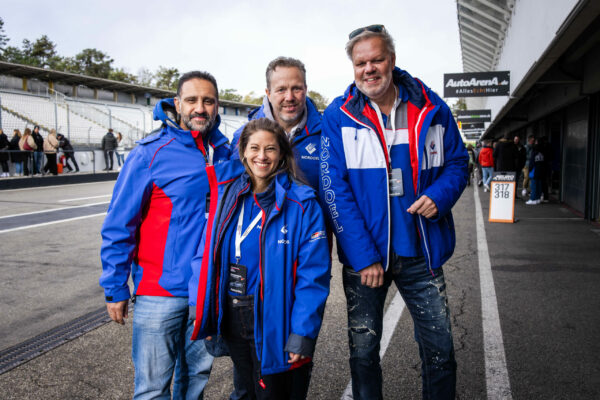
(544, 269)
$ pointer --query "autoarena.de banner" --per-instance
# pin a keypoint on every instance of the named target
(477, 84)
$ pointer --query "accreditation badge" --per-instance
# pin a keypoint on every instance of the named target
(396, 184)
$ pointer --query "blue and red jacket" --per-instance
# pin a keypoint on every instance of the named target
(305, 144)
(354, 173)
(294, 268)
(157, 213)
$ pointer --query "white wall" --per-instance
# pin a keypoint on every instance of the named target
(533, 26)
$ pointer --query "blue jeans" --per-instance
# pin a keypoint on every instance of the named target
(425, 298)
(536, 189)
(38, 158)
(19, 167)
(161, 344)
(120, 158)
(487, 175)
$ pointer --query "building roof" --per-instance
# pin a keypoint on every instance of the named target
(482, 25)
(69, 78)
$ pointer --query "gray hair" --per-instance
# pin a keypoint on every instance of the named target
(388, 41)
(286, 62)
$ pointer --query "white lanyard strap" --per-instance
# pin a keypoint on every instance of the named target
(211, 152)
(239, 237)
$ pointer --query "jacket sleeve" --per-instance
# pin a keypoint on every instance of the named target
(312, 277)
(130, 195)
(450, 183)
(337, 197)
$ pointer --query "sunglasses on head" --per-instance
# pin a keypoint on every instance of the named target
(378, 28)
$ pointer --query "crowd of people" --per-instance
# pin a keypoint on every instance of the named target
(33, 155)
(229, 246)
(530, 162)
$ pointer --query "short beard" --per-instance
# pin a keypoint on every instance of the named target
(203, 128)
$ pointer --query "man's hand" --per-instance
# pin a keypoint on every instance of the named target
(294, 358)
(118, 311)
(372, 276)
(423, 206)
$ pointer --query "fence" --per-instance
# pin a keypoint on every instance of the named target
(29, 163)
(82, 122)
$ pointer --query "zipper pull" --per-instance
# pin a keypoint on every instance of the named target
(262, 384)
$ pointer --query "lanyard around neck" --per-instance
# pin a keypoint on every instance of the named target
(239, 237)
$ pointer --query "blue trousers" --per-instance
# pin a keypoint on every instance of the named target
(425, 298)
(161, 345)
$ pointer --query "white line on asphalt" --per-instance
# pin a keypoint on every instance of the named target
(52, 186)
(50, 223)
(54, 209)
(84, 198)
(496, 373)
(390, 320)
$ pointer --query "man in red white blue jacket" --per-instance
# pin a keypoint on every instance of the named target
(392, 166)
(152, 230)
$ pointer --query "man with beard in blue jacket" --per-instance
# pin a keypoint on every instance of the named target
(286, 103)
(392, 166)
(153, 227)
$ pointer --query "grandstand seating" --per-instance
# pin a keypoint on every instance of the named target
(85, 122)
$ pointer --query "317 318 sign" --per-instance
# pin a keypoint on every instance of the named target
(502, 197)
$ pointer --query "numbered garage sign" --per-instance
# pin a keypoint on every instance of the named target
(502, 197)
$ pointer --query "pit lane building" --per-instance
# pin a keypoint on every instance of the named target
(552, 50)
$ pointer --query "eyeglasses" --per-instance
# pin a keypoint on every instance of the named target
(378, 28)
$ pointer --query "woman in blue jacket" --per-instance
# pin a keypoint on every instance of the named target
(262, 276)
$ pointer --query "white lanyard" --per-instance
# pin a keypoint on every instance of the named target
(239, 237)
(211, 152)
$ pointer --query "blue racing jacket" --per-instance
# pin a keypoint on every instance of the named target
(294, 268)
(305, 144)
(354, 173)
(157, 212)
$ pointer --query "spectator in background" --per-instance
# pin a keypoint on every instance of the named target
(109, 144)
(505, 155)
(528, 150)
(27, 146)
(537, 170)
(486, 160)
(50, 147)
(67, 149)
(478, 173)
(38, 154)
(4, 143)
(120, 151)
(471, 162)
(16, 156)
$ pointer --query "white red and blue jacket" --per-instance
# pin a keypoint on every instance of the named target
(354, 173)
(294, 267)
(305, 144)
(157, 213)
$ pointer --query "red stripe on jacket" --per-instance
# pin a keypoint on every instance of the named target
(202, 285)
(152, 240)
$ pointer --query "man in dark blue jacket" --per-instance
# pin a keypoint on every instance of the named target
(392, 167)
(286, 103)
(152, 230)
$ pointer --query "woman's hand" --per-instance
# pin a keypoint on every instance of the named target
(294, 358)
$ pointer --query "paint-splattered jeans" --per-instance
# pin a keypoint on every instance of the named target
(425, 298)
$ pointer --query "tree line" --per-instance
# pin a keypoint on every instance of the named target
(93, 62)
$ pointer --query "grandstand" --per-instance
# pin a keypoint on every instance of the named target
(35, 96)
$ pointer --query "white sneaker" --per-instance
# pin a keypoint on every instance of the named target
(532, 202)
(486, 187)
(524, 192)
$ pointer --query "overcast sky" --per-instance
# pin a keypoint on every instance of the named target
(235, 40)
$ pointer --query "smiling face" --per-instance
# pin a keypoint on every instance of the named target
(287, 95)
(197, 105)
(373, 67)
(262, 156)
